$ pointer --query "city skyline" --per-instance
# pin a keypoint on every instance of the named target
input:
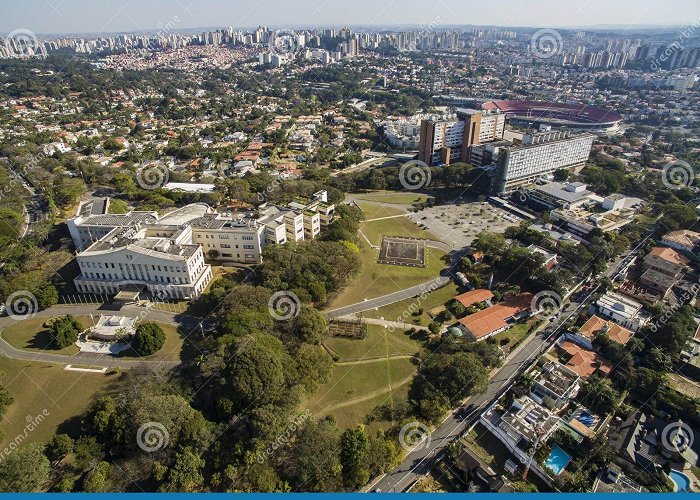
(100, 16)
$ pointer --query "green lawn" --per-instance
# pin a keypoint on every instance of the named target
(513, 335)
(350, 382)
(402, 311)
(398, 198)
(172, 348)
(377, 210)
(350, 416)
(377, 279)
(379, 342)
(31, 335)
(36, 387)
(399, 226)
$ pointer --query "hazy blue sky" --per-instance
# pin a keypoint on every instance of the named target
(76, 16)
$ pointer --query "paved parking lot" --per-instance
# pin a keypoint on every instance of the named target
(458, 225)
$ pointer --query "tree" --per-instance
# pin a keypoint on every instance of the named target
(380, 454)
(315, 443)
(314, 366)
(148, 339)
(353, 446)
(310, 326)
(97, 480)
(185, 475)
(59, 446)
(24, 470)
(450, 378)
(598, 395)
(64, 331)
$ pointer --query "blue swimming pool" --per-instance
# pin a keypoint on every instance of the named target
(682, 481)
(558, 460)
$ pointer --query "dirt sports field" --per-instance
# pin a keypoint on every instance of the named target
(399, 251)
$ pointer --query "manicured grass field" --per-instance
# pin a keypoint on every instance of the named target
(36, 387)
(379, 342)
(402, 311)
(398, 198)
(358, 381)
(514, 335)
(352, 415)
(399, 226)
(30, 334)
(377, 210)
(377, 279)
(172, 348)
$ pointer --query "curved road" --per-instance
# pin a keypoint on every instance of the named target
(190, 323)
(391, 298)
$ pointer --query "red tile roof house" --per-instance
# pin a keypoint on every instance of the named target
(596, 326)
(492, 320)
(474, 297)
(584, 361)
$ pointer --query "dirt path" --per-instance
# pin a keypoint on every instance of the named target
(366, 397)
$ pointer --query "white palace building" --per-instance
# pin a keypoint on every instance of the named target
(165, 254)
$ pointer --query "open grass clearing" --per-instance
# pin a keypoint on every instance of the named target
(377, 279)
(356, 382)
(31, 335)
(64, 395)
(350, 416)
(510, 338)
(394, 197)
(171, 350)
(379, 342)
(373, 210)
(398, 226)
